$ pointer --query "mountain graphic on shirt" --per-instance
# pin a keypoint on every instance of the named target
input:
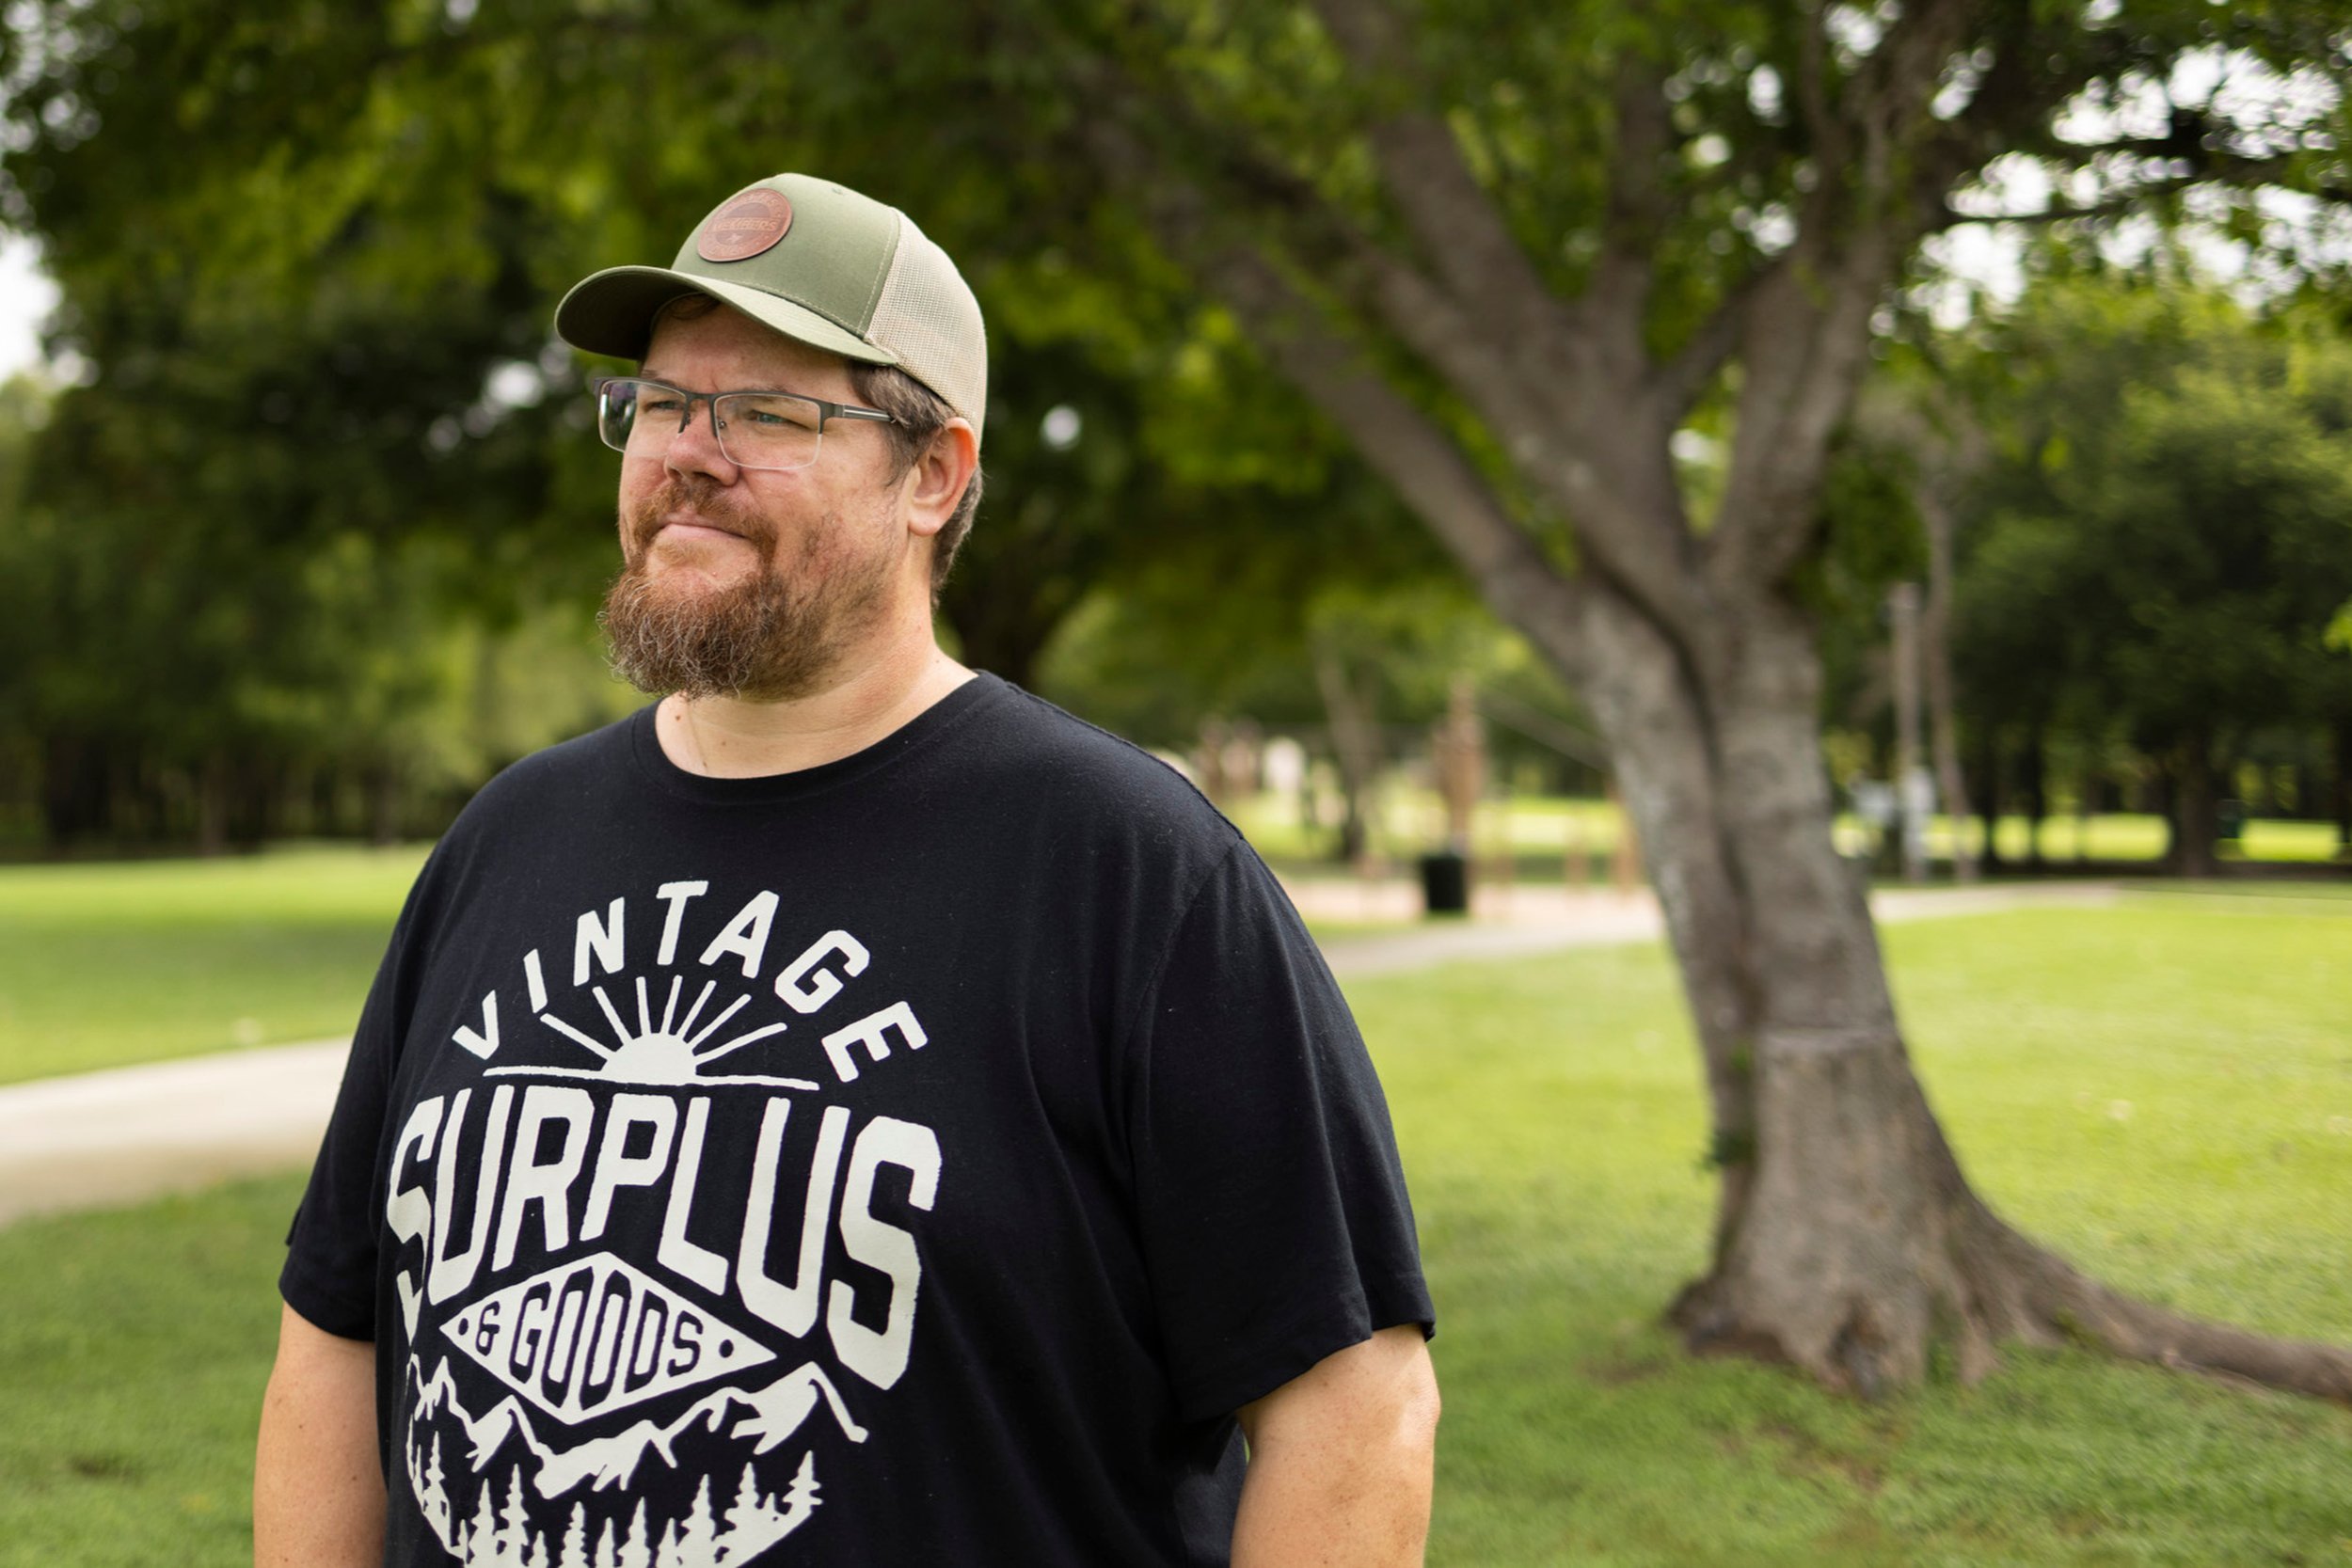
(505, 1436)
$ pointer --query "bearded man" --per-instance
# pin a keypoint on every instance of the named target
(849, 1112)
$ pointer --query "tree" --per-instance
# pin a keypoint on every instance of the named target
(483, 1540)
(1910, 425)
(694, 1538)
(1747, 201)
(2165, 541)
(1508, 253)
(635, 1548)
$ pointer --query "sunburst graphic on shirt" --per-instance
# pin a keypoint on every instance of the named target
(675, 1050)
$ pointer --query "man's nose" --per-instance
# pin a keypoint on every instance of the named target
(695, 449)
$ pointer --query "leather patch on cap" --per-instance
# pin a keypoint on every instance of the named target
(746, 226)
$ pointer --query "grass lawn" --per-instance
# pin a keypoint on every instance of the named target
(134, 1347)
(102, 965)
(2163, 1089)
(1546, 829)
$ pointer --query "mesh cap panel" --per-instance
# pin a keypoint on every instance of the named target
(926, 316)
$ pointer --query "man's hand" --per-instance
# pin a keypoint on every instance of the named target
(318, 1492)
(1341, 1460)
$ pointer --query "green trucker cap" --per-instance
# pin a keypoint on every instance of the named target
(819, 263)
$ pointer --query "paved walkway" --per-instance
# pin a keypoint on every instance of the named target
(100, 1139)
(118, 1136)
(1512, 922)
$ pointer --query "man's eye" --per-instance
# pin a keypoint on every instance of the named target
(775, 414)
(656, 404)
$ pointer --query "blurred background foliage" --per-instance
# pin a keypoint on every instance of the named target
(301, 534)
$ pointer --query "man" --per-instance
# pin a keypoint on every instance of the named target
(849, 1113)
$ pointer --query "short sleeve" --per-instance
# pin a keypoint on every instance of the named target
(1270, 1198)
(329, 1276)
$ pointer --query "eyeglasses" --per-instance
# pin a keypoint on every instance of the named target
(755, 430)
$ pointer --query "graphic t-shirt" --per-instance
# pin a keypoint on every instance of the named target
(915, 1159)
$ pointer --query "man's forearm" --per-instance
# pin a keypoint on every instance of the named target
(1341, 1462)
(318, 1491)
(1300, 1515)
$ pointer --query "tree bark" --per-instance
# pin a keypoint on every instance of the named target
(2342, 788)
(2195, 815)
(385, 792)
(2036, 783)
(2086, 803)
(1832, 1262)
(1935, 647)
(1354, 746)
(1990, 795)
(212, 805)
(1850, 1241)
(1902, 609)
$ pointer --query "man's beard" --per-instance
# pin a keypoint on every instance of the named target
(768, 637)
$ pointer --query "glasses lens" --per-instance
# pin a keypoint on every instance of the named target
(757, 429)
(769, 430)
(637, 416)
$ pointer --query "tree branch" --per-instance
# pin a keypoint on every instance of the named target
(2235, 173)
(1381, 287)
(1408, 449)
(2113, 206)
(1679, 381)
(1618, 303)
(1803, 356)
(1592, 457)
(1899, 80)
(1541, 388)
(1826, 131)
(1454, 220)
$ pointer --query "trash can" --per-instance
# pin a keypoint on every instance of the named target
(2229, 821)
(1445, 883)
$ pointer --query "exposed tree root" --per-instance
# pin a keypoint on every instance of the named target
(2085, 1311)
(1999, 1287)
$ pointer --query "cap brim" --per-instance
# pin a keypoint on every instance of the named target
(611, 313)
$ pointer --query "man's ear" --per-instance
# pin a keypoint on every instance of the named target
(939, 476)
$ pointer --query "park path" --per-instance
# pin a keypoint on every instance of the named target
(1514, 922)
(103, 1138)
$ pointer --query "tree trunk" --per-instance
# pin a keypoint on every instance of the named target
(1000, 634)
(2342, 786)
(1848, 1241)
(1354, 746)
(384, 798)
(1902, 611)
(2086, 803)
(1014, 583)
(70, 798)
(1458, 748)
(2195, 815)
(1837, 1249)
(212, 805)
(1989, 795)
(1935, 649)
(2036, 791)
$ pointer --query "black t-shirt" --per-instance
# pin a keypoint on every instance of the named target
(915, 1159)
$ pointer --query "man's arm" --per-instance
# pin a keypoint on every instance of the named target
(318, 1490)
(1341, 1461)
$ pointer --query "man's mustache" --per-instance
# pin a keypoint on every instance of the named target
(704, 497)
